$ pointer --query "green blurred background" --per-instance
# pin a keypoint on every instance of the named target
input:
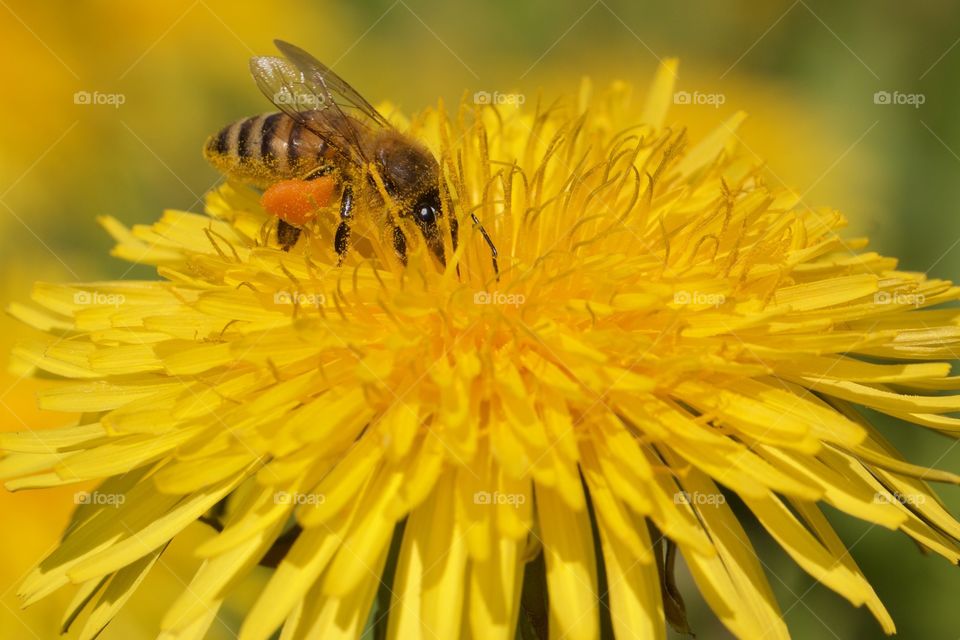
(806, 72)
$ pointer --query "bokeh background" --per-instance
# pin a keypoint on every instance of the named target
(806, 72)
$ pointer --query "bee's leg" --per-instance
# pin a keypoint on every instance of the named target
(493, 247)
(454, 233)
(319, 172)
(287, 234)
(400, 244)
(455, 238)
(341, 241)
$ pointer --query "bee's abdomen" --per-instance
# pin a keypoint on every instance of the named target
(264, 149)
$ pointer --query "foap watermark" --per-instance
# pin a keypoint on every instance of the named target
(299, 298)
(98, 98)
(881, 497)
(699, 98)
(301, 100)
(496, 498)
(97, 498)
(899, 98)
(700, 298)
(699, 499)
(486, 97)
(100, 299)
(899, 297)
(295, 498)
(499, 298)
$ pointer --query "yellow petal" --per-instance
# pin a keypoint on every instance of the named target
(571, 568)
(141, 541)
(493, 593)
(636, 606)
(293, 577)
(733, 582)
(118, 591)
(821, 527)
(660, 94)
(368, 536)
(430, 581)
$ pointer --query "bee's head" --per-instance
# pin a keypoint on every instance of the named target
(412, 175)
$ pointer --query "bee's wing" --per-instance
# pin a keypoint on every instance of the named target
(308, 104)
(311, 93)
(341, 94)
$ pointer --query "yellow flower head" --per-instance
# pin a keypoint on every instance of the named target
(446, 446)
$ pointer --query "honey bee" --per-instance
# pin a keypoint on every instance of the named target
(321, 145)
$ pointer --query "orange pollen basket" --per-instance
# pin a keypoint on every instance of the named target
(297, 201)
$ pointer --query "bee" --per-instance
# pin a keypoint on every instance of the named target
(320, 146)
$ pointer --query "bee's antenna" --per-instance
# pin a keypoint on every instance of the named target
(493, 247)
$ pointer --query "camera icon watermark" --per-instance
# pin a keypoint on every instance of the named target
(895, 497)
(499, 298)
(698, 298)
(899, 98)
(97, 298)
(96, 98)
(699, 98)
(699, 499)
(497, 498)
(899, 298)
(297, 499)
(299, 100)
(97, 498)
(486, 97)
(299, 298)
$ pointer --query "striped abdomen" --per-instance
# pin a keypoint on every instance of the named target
(264, 149)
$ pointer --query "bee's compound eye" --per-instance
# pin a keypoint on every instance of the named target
(427, 209)
(426, 214)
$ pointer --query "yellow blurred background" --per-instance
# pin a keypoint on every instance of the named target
(805, 71)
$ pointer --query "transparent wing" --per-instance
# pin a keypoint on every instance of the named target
(319, 99)
(319, 75)
(285, 86)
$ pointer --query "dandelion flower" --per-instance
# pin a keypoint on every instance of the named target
(445, 452)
